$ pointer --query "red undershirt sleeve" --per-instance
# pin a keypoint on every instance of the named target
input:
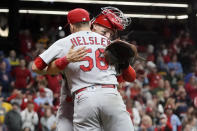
(40, 64)
(61, 63)
(129, 74)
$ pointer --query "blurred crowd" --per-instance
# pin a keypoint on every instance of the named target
(162, 98)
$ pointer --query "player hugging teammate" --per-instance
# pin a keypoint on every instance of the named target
(90, 80)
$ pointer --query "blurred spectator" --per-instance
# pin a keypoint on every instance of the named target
(134, 90)
(174, 64)
(173, 78)
(191, 124)
(48, 121)
(44, 40)
(13, 118)
(13, 60)
(166, 56)
(2, 58)
(191, 87)
(153, 75)
(172, 118)
(141, 77)
(3, 126)
(145, 92)
(6, 80)
(161, 62)
(188, 76)
(40, 47)
(175, 46)
(42, 87)
(4, 108)
(167, 86)
(29, 97)
(42, 98)
(151, 109)
(182, 102)
(146, 124)
(16, 97)
(186, 40)
(23, 76)
(150, 53)
(193, 72)
(164, 124)
(31, 61)
(26, 42)
(189, 114)
(171, 101)
(29, 117)
(159, 91)
(54, 82)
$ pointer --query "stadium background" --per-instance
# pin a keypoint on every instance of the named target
(161, 29)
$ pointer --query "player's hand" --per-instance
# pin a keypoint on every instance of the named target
(76, 55)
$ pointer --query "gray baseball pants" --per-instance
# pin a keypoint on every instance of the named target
(97, 107)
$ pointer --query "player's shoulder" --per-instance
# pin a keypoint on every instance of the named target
(61, 41)
(76, 34)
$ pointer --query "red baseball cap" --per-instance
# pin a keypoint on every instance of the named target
(78, 15)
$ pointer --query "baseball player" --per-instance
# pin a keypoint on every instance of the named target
(93, 83)
(103, 26)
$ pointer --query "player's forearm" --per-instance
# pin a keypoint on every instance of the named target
(38, 71)
(52, 69)
(39, 66)
(57, 66)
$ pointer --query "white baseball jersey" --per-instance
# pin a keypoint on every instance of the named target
(92, 70)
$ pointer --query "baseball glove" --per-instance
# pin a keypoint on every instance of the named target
(120, 54)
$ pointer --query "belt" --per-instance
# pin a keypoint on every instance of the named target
(102, 86)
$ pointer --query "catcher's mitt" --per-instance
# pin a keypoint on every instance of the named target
(120, 54)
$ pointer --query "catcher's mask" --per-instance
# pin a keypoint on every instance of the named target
(112, 18)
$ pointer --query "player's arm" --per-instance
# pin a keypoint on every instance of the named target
(60, 64)
(40, 67)
(41, 62)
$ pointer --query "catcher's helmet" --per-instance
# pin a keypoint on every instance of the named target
(102, 20)
(112, 18)
(107, 21)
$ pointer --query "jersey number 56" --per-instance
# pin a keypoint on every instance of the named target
(99, 59)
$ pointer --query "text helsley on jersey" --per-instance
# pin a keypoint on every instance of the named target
(77, 41)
